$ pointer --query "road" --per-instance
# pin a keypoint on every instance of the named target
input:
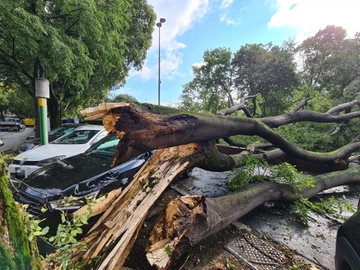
(14, 139)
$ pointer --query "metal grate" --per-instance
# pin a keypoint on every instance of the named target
(256, 253)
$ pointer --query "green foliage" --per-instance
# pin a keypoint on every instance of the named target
(33, 226)
(331, 63)
(83, 47)
(254, 170)
(267, 70)
(287, 174)
(122, 98)
(257, 169)
(16, 101)
(332, 206)
(223, 79)
(210, 90)
(300, 210)
(168, 250)
(65, 241)
(13, 223)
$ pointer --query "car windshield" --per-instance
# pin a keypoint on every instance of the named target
(76, 137)
(105, 147)
(61, 130)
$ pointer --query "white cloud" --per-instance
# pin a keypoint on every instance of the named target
(229, 20)
(226, 3)
(180, 16)
(309, 16)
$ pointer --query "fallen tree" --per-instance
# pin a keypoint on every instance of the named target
(187, 220)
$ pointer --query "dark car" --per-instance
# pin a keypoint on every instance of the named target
(348, 244)
(32, 142)
(88, 175)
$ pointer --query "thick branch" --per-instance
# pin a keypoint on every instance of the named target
(306, 115)
(152, 127)
(240, 106)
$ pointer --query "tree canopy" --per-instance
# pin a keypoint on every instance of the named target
(326, 64)
(82, 47)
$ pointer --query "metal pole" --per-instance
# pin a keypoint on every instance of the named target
(159, 25)
(43, 119)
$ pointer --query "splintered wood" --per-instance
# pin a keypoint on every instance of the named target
(118, 227)
(98, 112)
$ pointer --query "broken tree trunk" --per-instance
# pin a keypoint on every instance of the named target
(189, 219)
(114, 233)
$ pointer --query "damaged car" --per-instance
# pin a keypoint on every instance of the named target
(85, 176)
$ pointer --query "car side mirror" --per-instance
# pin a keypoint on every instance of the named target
(1, 143)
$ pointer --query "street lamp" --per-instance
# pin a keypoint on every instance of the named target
(159, 24)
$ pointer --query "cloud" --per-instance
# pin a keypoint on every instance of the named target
(228, 19)
(180, 16)
(226, 3)
(308, 16)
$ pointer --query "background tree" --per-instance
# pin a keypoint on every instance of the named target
(329, 74)
(81, 47)
(267, 70)
(15, 101)
(212, 89)
(224, 79)
(331, 63)
(121, 98)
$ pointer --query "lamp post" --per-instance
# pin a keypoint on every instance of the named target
(159, 24)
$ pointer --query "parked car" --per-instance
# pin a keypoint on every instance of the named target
(32, 142)
(71, 144)
(85, 175)
(29, 122)
(70, 121)
(347, 252)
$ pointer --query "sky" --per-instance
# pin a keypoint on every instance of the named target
(195, 26)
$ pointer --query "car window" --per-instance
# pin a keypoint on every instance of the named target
(100, 136)
(76, 137)
(106, 147)
(61, 131)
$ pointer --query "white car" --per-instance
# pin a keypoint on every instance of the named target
(71, 144)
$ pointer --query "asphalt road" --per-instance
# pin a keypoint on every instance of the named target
(14, 139)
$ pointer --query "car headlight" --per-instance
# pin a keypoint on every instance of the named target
(48, 161)
(72, 203)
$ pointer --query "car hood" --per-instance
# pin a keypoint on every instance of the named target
(52, 150)
(77, 176)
